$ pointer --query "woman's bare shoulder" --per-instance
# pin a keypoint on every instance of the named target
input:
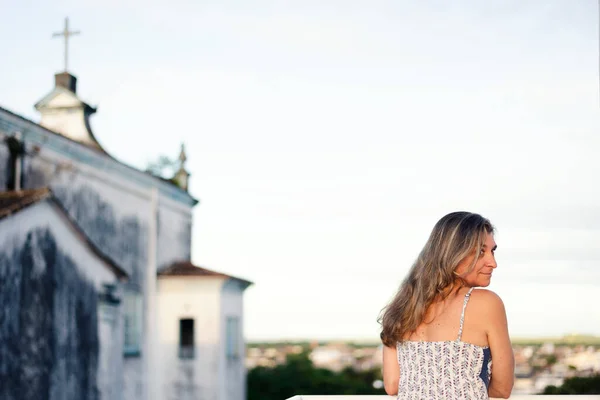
(485, 294)
(488, 301)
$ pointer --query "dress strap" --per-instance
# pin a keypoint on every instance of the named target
(462, 315)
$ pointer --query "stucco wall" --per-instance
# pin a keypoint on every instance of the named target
(111, 367)
(174, 233)
(112, 204)
(110, 201)
(233, 370)
(197, 298)
(51, 342)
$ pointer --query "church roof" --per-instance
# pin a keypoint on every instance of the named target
(12, 202)
(98, 150)
(186, 268)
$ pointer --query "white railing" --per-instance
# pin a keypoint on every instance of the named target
(384, 397)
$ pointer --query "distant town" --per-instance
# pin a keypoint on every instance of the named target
(539, 362)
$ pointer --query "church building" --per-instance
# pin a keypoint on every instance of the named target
(100, 299)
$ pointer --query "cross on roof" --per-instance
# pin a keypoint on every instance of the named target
(66, 33)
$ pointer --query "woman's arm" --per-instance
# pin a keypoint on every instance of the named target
(503, 360)
(391, 370)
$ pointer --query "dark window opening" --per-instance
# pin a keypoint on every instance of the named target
(186, 338)
(14, 165)
(10, 170)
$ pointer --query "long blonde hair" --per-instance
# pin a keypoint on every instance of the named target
(433, 275)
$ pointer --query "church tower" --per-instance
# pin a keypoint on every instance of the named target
(62, 110)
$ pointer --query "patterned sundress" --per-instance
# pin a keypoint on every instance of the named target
(449, 370)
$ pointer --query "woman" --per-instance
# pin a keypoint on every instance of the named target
(435, 347)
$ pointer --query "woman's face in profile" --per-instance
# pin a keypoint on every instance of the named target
(482, 273)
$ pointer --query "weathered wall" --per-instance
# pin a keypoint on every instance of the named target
(96, 209)
(49, 327)
(197, 298)
(112, 204)
(116, 220)
(111, 368)
(110, 201)
(174, 234)
(233, 371)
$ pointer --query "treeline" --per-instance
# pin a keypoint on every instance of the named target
(576, 385)
(298, 376)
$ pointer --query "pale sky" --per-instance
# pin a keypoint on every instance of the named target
(326, 138)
